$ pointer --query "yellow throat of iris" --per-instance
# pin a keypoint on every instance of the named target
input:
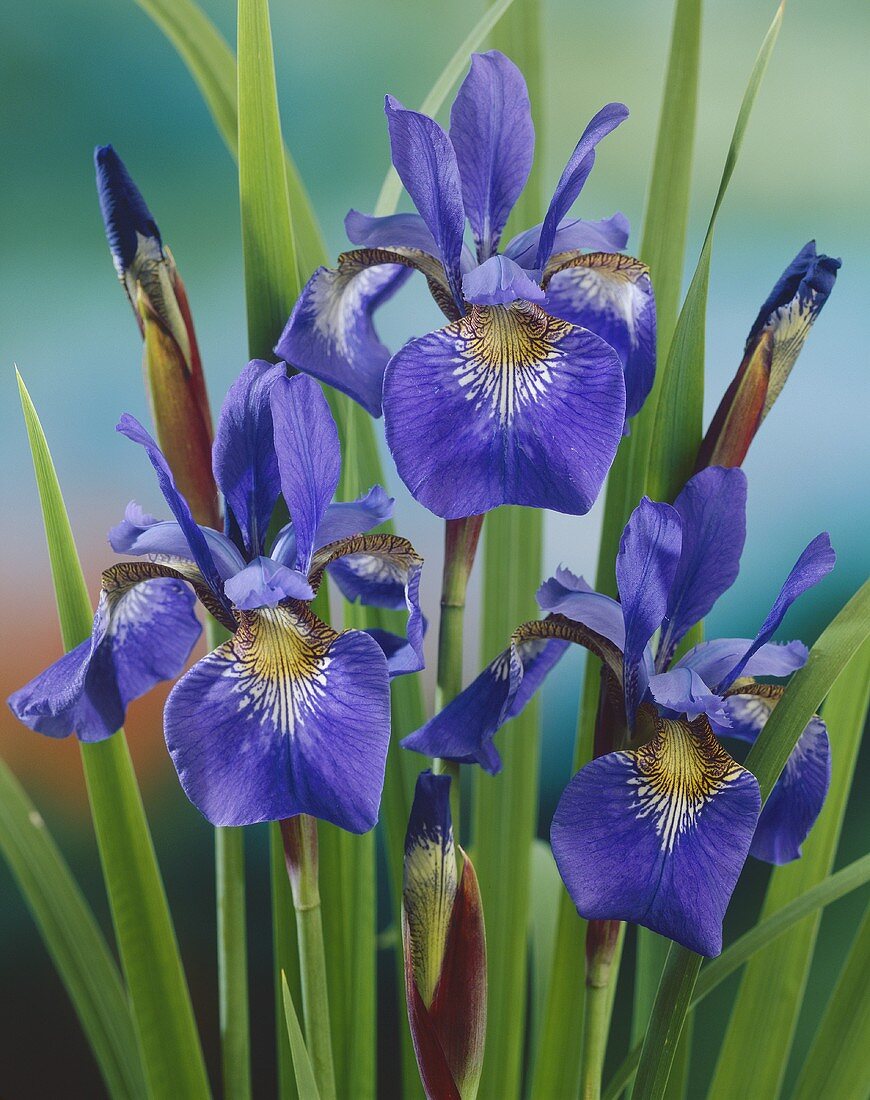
(677, 774)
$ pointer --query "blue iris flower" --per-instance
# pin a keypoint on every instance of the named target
(657, 832)
(287, 716)
(523, 397)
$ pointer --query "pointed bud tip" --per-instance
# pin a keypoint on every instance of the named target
(125, 213)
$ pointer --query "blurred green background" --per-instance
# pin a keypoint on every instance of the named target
(95, 71)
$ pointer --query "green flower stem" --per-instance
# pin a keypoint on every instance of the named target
(300, 853)
(461, 537)
(602, 939)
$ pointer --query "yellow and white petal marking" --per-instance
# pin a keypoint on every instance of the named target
(504, 356)
(790, 326)
(677, 775)
(429, 892)
(277, 663)
(607, 282)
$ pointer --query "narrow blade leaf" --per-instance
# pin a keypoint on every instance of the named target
(73, 939)
(305, 1082)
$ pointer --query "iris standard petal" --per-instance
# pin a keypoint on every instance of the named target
(659, 836)
(505, 406)
(140, 533)
(309, 457)
(265, 583)
(813, 565)
(612, 296)
(712, 660)
(199, 550)
(798, 795)
(426, 162)
(568, 594)
(245, 465)
(499, 281)
(142, 634)
(646, 564)
(379, 571)
(575, 175)
(391, 231)
(331, 333)
(340, 520)
(606, 235)
(492, 132)
(712, 507)
(682, 691)
(287, 717)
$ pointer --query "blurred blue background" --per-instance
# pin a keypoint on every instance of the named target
(95, 71)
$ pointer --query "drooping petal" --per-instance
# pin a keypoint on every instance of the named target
(379, 571)
(464, 729)
(499, 281)
(774, 343)
(646, 563)
(265, 583)
(575, 175)
(799, 794)
(285, 718)
(401, 656)
(331, 333)
(607, 235)
(140, 533)
(682, 691)
(445, 949)
(142, 634)
(815, 562)
(392, 231)
(712, 660)
(199, 549)
(712, 507)
(659, 836)
(309, 457)
(612, 296)
(492, 132)
(245, 464)
(505, 406)
(426, 162)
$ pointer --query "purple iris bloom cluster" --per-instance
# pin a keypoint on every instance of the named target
(656, 832)
(287, 716)
(546, 341)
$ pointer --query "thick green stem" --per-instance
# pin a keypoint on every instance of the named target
(300, 853)
(460, 545)
(602, 938)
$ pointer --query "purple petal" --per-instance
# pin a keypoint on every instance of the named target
(331, 333)
(682, 691)
(130, 225)
(401, 656)
(141, 635)
(141, 534)
(798, 795)
(309, 457)
(492, 132)
(341, 520)
(567, 594)
(464, 729)
(245, 465)
(426, 163)
(607, 235)
(477, 413)
(801, 291)
(265, 583)
(658, 836)
(498, 282)
(392, 231)
(199, 549)
(646, 563)
(285, 718)
(712, 507)
(815, 562)
(388, 581)
(612, 296)
(712, 660)
(575, 175)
